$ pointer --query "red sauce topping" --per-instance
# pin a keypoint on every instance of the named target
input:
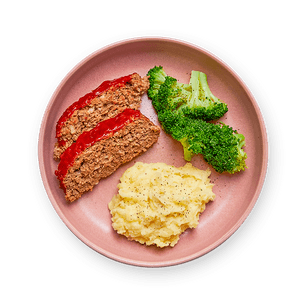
(86, 99)
(103, 130)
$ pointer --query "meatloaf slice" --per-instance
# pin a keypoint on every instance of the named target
(99, 152)
(106, 101)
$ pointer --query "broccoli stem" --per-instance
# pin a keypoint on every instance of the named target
(195, 84)
(187, 153)
(204, 83)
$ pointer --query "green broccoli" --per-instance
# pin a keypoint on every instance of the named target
(184, 111)
(172, 95)
(194, 99)
(157, 76)
(220, 145)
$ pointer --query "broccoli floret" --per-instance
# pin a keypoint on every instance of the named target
(203, 104)
(172, 95)
(194, 99)
(157, 76)
(220, 145)
(174, 124)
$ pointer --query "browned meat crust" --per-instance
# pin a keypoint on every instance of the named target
(105, 156)
(107, 105)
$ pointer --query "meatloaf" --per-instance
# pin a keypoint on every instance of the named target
(106, 101)
(99, 152)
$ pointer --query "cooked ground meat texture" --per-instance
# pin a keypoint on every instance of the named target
(107, 155)
(107, 105)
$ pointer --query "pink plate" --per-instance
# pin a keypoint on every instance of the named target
(89, 218)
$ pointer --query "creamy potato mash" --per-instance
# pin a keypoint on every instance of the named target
(157, 202)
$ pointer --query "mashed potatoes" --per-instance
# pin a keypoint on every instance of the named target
(157, 202)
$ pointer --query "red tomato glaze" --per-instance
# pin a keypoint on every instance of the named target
(86, 99)
(103, 130)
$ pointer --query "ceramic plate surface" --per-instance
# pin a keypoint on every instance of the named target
(89, 218)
